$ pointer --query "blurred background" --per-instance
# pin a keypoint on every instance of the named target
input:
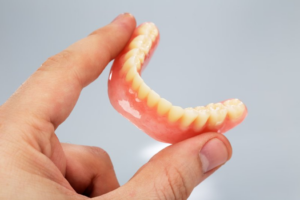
(209, 51)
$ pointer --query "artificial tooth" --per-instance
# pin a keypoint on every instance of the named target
(235, 108)
(175, 113)
(137, 55)
(216, 106)
(189, 108)
(146, 28)
(143, 91)
(129, 64)
(188, 117)
(201, 119)
(217, 112)
(137, 42)
(146, 45)
(131, 53)
(200, 108)
(152, 99)
(150, 32)
(232, 102)
(141, 56)
(137, 81)
(141, 42)
(154, 32)
(163, 106)
(131, 74)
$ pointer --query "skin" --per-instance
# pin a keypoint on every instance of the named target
(35, 165)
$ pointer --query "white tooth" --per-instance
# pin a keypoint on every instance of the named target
(141, 42)
(200, 108)
(152, 99)
(201, 119)
(189, 108)
(149, 30)
(131, 74)
(132, 62)
(146, 45)
(163, 106)
(217, 114)
(143, 91)
(137, 55)
(154, 32)
(146, 27)
(131, 53)
(188, 117)
(137, 81)
(141, 57)
(235, 108)
(137, 42)
(175, 113)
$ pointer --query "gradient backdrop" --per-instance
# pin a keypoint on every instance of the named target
(209, 51)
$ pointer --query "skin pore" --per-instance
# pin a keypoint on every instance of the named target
(35, 165)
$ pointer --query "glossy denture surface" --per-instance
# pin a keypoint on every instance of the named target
(156, 116)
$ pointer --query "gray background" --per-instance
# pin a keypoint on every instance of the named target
(209, 51)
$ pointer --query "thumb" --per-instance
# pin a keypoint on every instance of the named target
(174, 172)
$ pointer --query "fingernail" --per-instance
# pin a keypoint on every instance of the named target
(213, 154)
(121, 17)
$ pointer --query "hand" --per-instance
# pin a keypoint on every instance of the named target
(35, 165)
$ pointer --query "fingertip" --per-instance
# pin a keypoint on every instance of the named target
(125, 21)
(124, 18)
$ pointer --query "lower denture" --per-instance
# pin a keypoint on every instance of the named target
(156, 116)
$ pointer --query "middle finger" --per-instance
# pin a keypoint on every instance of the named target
(89, 170)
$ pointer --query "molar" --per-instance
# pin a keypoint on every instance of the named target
(218, 113)
(235, 108)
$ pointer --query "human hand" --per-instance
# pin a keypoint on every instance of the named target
(35, 165)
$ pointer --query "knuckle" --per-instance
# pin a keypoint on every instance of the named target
(98, 152)
(62, 57)
(174, 185)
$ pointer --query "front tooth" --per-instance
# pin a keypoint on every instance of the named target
(218, 113)
(143, 91)
(235, 108)
(201, 119)
(137, 81)
(131, 74)
(175, 113)
(152, 99)
(188, 117)
(163, 106)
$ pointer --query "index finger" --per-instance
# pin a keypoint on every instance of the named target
(52, 91)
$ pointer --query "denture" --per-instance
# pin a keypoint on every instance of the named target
(156, 116)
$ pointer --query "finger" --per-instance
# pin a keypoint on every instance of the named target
(89, 170)
(52, 91)
(175, 171)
